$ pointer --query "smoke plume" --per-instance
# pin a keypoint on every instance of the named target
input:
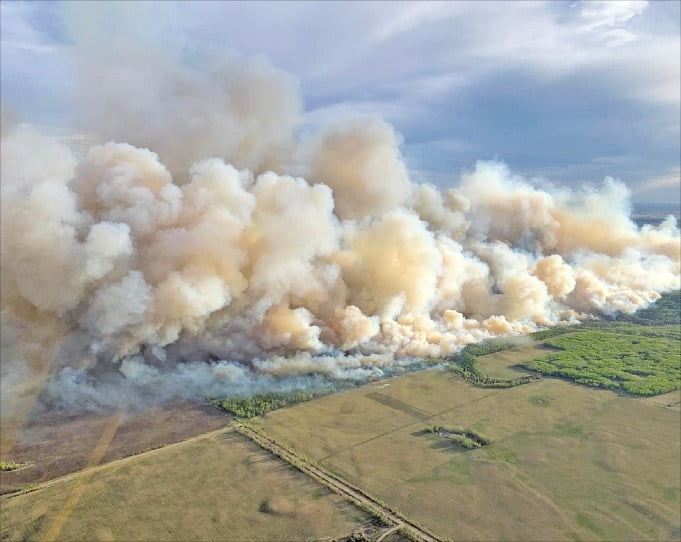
(182, 256)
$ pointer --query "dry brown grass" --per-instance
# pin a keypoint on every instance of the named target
(670, 400)
(210, 489)
(55, 445)
(499, 364)
(566, 462)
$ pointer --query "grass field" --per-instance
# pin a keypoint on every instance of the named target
(500, 364)
(566, 462)
(220, 488)
(54, 445)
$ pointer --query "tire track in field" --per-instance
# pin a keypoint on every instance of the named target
(81, 485)
(116, 463)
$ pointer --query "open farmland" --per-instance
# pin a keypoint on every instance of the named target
(215, 488)
(53, 445)
(565, 461)
(546, 459)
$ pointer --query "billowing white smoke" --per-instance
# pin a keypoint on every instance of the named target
(127, 277)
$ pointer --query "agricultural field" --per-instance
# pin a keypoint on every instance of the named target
(565, 462)
(52, 445)
(214, 488)
(469, 458)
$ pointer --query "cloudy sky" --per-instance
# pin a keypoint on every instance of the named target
(569, 91)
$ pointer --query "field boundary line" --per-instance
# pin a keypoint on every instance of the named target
(341, 450)
(339, 485)
(116, 462)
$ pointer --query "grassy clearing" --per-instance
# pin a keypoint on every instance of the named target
(565, 462)
(467, 364)
(505, 364)
(205, 490)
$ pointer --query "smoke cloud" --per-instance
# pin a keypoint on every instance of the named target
(183, 257)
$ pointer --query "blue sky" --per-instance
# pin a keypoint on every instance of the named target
(569, 91)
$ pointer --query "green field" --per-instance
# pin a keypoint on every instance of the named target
(565, 462)
(220, 488)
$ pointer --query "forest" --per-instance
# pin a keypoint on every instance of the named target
(643, 361)
(262, 403)
(636, 353)
(639, 354)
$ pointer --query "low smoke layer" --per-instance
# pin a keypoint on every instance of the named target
(213, 270)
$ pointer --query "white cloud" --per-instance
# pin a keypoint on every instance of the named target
(598, 13)
(406, 61)
(411, 15)
(660, 188)
(671, 179)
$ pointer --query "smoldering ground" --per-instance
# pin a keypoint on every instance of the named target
(196, 251)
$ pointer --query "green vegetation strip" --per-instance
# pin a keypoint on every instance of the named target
(465, 437)
(6, 466)
(260, 404)
(466, 366)
(299, 460)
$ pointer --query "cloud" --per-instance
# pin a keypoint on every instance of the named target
(18, 31)
(420, 66)
(195, 240)
(669, 182)
(598, 13)
(409, 16)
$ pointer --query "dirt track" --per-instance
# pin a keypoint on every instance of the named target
(337, 484)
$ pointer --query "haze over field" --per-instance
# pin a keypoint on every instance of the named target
(205, 248)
